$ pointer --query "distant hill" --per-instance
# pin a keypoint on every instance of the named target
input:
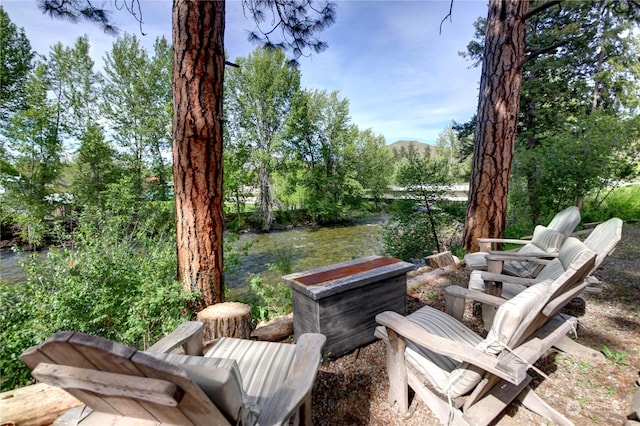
(420, 147)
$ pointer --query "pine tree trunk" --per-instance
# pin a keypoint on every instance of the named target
(498, 107)
(198, 73)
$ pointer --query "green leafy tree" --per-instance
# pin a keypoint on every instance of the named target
(322, 140)
(136, 104)
(198, 77)
(413, 231)
(95, 168)
(35, 148)
(448, 147)
(259, 94)
(15, 63)
(581, 57)
(375, 164)
(82, 88)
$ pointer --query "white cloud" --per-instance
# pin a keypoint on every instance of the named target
(402, 77)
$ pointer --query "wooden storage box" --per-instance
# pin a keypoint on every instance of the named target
(342, 300)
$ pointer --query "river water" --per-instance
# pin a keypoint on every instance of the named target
(302, 248)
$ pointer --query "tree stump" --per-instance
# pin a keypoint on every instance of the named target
(440, 260)
(228, 319)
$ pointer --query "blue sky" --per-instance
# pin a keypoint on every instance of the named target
(403, 78)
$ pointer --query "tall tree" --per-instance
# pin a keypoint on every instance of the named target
(584, 62)
(374, 164)
(497, 119)
(260, 91)
(322, 139)
(15, 64)
(35, 150)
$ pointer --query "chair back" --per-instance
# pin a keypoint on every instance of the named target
(559, 292)
(565, 221)
(115, 379)
(604, 238)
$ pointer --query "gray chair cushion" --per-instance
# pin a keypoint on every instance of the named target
(509, 316)
(449, 376)
(218, 378)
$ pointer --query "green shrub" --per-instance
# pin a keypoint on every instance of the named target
(622, 202)
(114, 283)
(409, 235)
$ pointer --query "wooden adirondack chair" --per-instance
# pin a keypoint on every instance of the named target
(572, 252)
(544, 242)
(236, 382)
(602, 240)
(465, 379)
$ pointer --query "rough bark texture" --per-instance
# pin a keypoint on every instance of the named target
(198, 73)
(498, 107)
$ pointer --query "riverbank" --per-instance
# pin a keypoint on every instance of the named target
(352, 390)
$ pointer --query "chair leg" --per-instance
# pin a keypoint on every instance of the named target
(573, 348)
(533, 402)
(304, 413)
(397, 372)
(454, 306)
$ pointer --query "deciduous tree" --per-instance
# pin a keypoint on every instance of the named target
(259, 92)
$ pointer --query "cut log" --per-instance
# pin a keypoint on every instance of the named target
(35, 405)
(228, 319)
(440, 260)
(275, 331)
(427, 277)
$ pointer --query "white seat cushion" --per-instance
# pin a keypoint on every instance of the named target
(449, 376)
(264, 367)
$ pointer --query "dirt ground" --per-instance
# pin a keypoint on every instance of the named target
(352, 390)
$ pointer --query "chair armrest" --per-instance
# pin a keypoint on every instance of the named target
(469, 294)
(489, 276)
(523, 257)
(503, 240)
(188, 335)
(460, 351)
(514, 255)
(285, 401)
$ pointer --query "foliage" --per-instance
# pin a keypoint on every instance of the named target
(579, 90)
(272, 300)
(258, 96)
(296, 23)
(622, 202)
(35, 146)
(413, 231)
(448, 147)
(115, 281)
(618, 358)
(137, 103)
(15, 64)
(373, 159)
(408, 235)
(323, 155)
